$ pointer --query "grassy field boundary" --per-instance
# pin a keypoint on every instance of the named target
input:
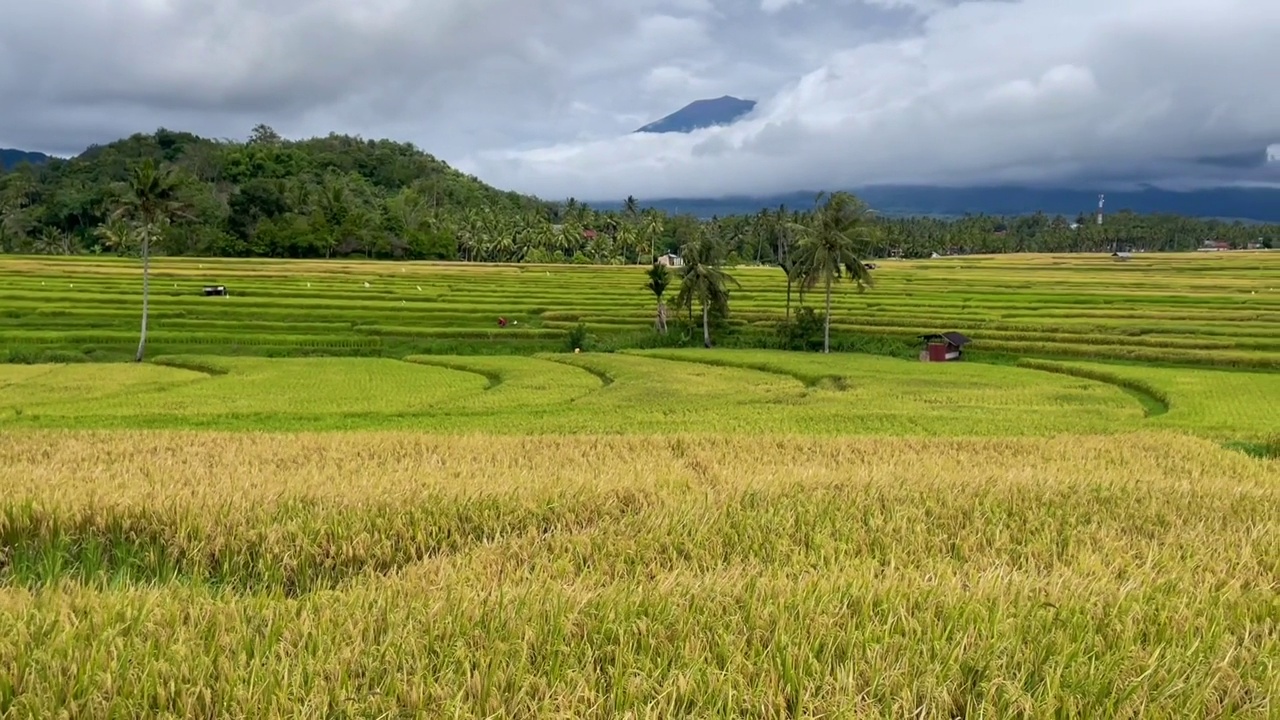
(493, 378)
(1154, 401)
(203, 365)
(809, 380)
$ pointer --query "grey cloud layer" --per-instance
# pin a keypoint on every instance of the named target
(540, 96)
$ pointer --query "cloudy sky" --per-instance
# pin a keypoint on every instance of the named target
(541, 95)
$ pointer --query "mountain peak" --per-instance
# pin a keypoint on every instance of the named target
(700, 114)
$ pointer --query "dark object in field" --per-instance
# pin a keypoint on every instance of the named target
(216, 291)
(943, 347)
(502, 322)
(869, 266)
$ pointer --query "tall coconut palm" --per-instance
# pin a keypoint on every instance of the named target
(652, 231)
(151, 201)
(659, 281)
(780, 230)
(703, 279)
(829, 246)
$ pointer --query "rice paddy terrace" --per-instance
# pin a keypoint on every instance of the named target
(521, 531)
(1205, 308)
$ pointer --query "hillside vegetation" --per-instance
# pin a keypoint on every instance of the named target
(265, 197)
(341, 196)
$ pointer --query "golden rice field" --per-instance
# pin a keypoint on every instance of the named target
(181, 574)
(642, 534)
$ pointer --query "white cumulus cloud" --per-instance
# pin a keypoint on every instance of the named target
(543, 96)
(981, 91)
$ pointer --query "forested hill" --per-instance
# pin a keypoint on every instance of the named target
(266, 196)
(10, 158)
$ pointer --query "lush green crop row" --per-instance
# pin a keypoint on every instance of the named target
(657, 391)
(1193, 308)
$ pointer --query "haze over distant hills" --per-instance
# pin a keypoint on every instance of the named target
(1231, 202)
(1257, 203)
(1238, 203)
(701, 114)
(10, 158)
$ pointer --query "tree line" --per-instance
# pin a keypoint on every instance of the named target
(342, 196)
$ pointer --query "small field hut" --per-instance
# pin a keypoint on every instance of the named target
(671, 260)
(943, 347)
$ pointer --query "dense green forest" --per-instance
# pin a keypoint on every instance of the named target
(341, 196)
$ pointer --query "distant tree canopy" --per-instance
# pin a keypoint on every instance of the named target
(340, 196)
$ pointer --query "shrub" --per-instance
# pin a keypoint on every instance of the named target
(578, 338)
(802, 332)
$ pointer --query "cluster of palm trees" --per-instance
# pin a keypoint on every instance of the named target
(817, 253)
(579, 234)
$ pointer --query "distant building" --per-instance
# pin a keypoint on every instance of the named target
(943, 347)
(1214, 246)
(671, 260)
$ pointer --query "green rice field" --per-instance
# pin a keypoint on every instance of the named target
(321, 498)
(1202, 308)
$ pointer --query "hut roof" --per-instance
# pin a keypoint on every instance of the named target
(954, 338)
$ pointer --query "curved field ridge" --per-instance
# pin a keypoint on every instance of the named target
(1191, 308)
(1225, 405)
(518, 381)
(28, 388)
(777, 364)
(926, 389)
(759, 393)
(390, 574)
(236, 392)
(1153, 400)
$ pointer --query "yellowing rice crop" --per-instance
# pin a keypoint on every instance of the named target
(232, 575)
(643, 534)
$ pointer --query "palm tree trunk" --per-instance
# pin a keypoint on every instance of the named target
(826, 321)
(146, 292)
(788, 297)
(706, 326)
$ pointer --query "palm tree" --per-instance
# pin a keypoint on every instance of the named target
(151, 202)
(659, 281)
(829, 247)
(781, 231)
(703, 279)
(652, 230)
